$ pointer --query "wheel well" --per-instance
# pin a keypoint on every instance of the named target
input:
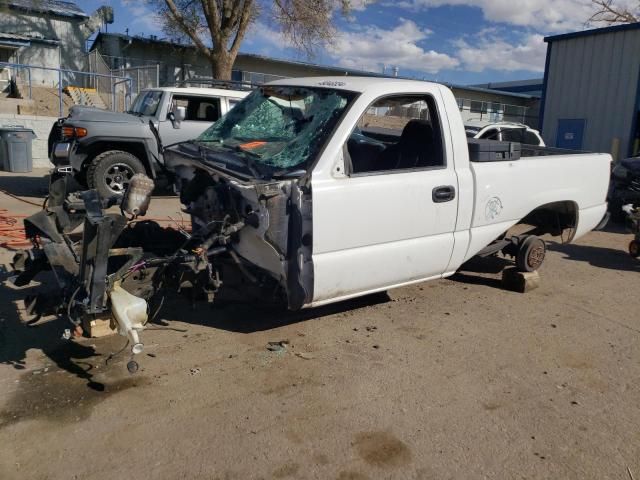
(136, 149)
(558, 219)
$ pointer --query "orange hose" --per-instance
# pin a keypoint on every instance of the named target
(13, 237)
(12, 231)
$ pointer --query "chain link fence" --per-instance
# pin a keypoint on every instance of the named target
(52, 91)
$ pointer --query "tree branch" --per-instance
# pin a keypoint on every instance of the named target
(212, 17)
(245, 19)
(608, 13)
(191, 32)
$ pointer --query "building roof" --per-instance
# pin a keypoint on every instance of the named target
(593, 31)
(532, 87)
(13, 39)
(58, 8)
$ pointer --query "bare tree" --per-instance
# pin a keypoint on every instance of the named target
(218, 27)
(610, 13)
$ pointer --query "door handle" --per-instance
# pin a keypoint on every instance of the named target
(444, 193)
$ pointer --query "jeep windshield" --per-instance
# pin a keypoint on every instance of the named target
(278, 130)
(146, 103)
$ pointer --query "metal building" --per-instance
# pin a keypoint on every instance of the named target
(591, 93)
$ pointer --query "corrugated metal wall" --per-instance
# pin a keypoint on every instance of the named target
(594, 78)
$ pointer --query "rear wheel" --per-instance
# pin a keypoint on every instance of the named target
(634, 249)
(110, 172)
(531, 254)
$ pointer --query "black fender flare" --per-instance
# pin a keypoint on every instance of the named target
(151, 160)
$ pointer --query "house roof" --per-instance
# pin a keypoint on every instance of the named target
(593, 31)
(58, 8)
(13, 39)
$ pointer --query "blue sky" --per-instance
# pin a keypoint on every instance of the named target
(458, 41)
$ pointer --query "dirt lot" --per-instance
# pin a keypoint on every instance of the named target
(450, 379)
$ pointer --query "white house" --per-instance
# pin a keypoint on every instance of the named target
(46, 33)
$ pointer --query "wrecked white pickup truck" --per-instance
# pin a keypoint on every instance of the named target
(312, 191)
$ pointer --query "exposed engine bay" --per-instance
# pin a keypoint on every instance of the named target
(248, 241)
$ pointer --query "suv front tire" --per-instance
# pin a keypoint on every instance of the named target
(110, 172)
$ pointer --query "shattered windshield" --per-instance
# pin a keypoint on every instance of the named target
(279, 128)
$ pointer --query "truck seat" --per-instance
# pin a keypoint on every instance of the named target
(416, 147)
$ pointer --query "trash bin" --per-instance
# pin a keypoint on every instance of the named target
(15, 149)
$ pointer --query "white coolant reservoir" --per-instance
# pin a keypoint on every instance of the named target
(131, 314)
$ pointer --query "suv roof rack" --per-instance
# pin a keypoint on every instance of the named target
(215, 83)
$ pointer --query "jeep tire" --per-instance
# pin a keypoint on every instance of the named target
(110, 172)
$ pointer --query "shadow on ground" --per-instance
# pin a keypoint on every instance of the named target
(25, 186)
(81, 357)
(482, 271)
(247, 318)
(17, 338)
(601, 257)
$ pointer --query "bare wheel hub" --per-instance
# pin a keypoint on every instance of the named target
(118, 177)
(536, 256)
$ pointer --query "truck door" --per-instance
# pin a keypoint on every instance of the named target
(201, 113)
(390, 219)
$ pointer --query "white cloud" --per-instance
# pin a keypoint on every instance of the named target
(142, 16)
(495, 53)
(369, 47)
(261, 34)
(372, 47)
(542, 15)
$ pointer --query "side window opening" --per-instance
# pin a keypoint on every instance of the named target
(397, 133)
(199, 109)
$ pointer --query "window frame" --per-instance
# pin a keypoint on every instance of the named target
(348, 166)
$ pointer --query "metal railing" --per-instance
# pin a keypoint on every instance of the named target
(115, 90)
(496, 112)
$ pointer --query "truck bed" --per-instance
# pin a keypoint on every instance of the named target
(504, 196)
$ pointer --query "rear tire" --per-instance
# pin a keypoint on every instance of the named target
(531, 254)
(110, 172)
(634, 249)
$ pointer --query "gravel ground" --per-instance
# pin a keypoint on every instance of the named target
(455, 378)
